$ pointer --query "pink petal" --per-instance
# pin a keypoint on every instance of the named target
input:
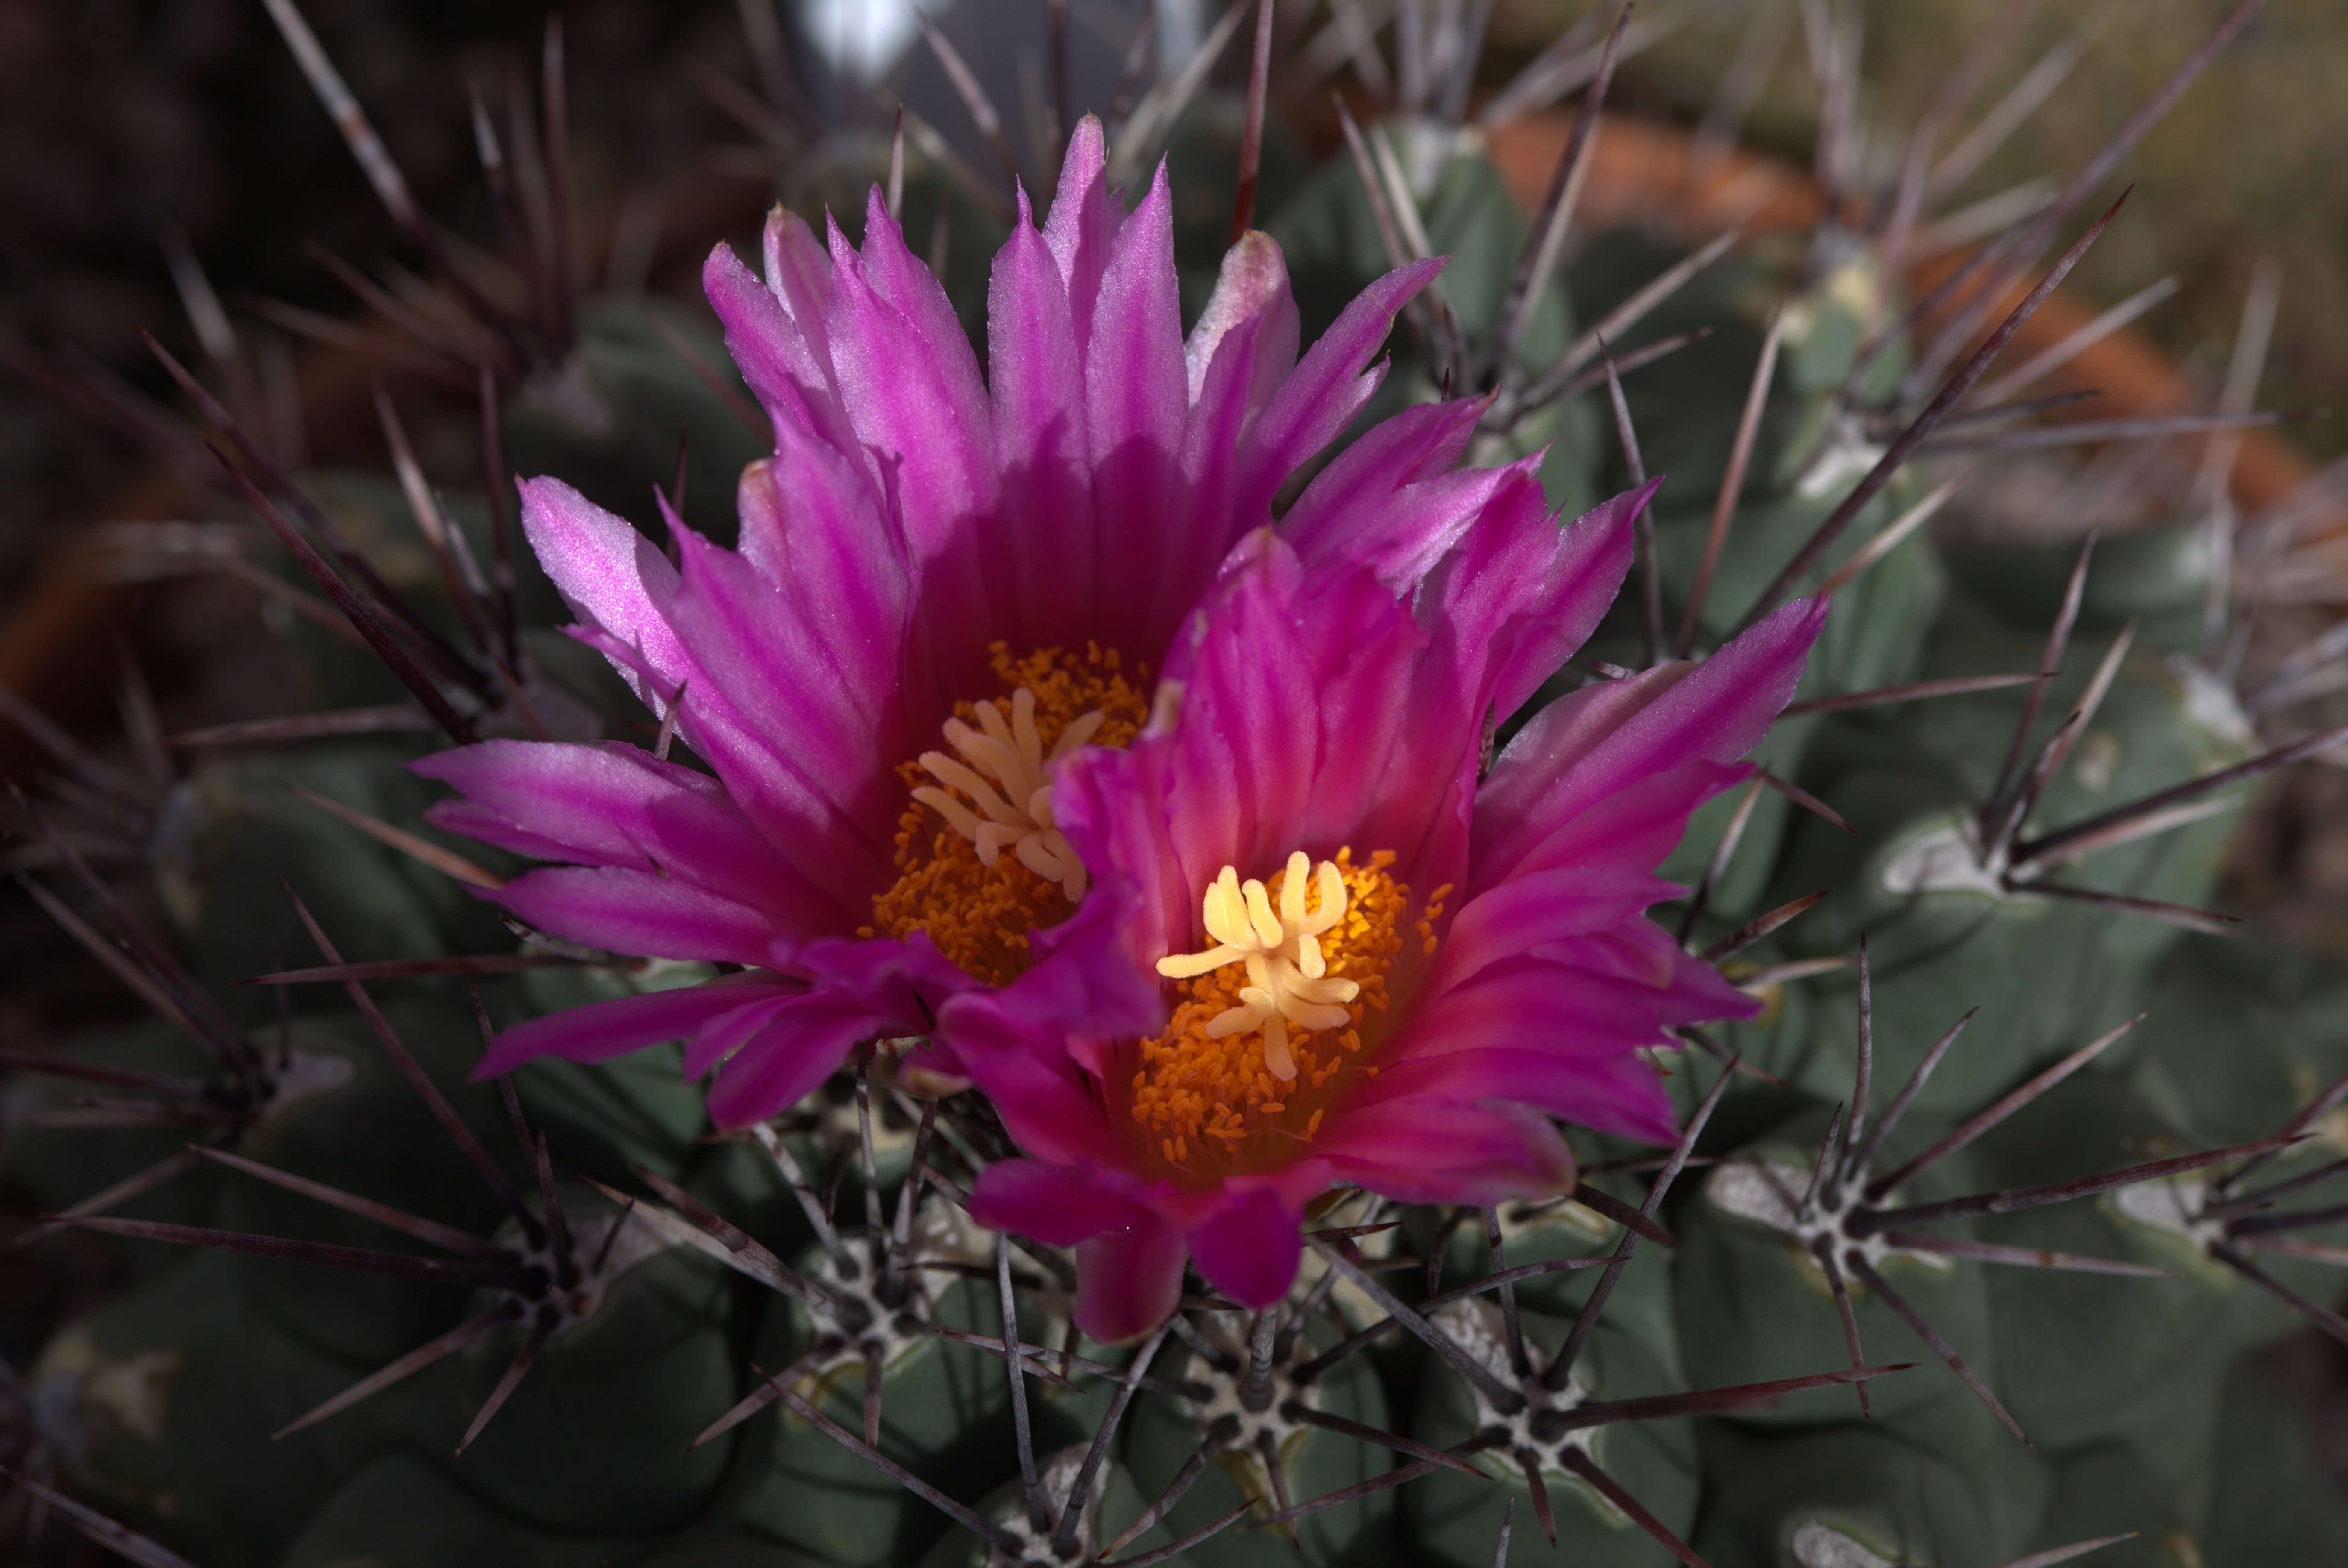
(1129, 1281)
(1577, 994)
(1583, 748)
(1135, 404)
(1431, 1149)
(1720, 712)
(1240, 764)
(1077, 988)
(802, 1044)
(1043, 547)
(1290, 732)
(1248, 1247)
(1313, 407)
(798, 274)
(912, 390)
(1559, 1030)
(1058, 1205)
(638, 912)
(1525, 595)
(790, 375)
(1615, 1092)
(1631, 828)
(1112, 807)
(1422, 441)
(899, 986)
(1403, 538)
(1299, 695)
(1083, 223)
(601, 1030)
(1021, 1062)
(1250, 321)
(793, 719)
(1236, 357)
(816, 529)
(724, 1037)
(1505, 595)
(1525, 912)
(468, 821)
(604, 803)
(612, 577)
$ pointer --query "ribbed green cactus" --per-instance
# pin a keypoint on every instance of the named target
(1882, 1305)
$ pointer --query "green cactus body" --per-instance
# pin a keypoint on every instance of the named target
(1451, 1518)
(945, 1408)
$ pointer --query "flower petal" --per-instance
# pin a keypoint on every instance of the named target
(1583, 748)
(1250, 324)
(1135, 406)
(601, 1030)
(912, 390)
(1129, 1281)
(1025, 1065)
(1313, 406)
(613, 577)
(1426, 1149)
(788, 370)
(1112, 807)
(815, 529)
(1083, 223)
(1419, 443)
(1631, 828)
(798, 274)
(1617, 1093)
(1416, 527)
(1520, 595)
(1058, 1205)
(1559, 1030)
(1248, 1246)
(1238, 355)
(805, 732)
(1526, 911)
(1612, 991)
(603, 803)
(1295, 699)
(1289, 703)
(638, 912)
(802, 1043)
(1043, 546)
(900, 986)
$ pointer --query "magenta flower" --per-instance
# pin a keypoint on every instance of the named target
(945, 583)
(1379, 970)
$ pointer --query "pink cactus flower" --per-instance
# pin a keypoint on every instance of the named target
(1377, 968)
(946, 584)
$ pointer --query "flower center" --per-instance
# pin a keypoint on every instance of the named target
(1008, 757)
(992, 793)
(1288, 976)
(1268, 1027)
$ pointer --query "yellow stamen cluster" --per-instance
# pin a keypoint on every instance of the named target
(976, 903)
(1210, 1091)
(1288, 978)
(1005, 773)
